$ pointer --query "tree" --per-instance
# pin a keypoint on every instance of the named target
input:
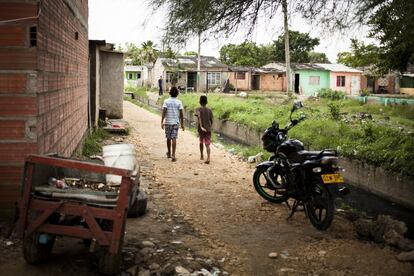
(149, 52)
(300, 45)
(168, 53)
(391, 20)
(361, 55)
(190, 53)
(133, 53)
(393, 25)
(316, 57)
(246, 54)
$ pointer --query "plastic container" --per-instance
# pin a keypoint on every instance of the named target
(121, 156)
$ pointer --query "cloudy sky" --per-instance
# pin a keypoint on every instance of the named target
(121, 21)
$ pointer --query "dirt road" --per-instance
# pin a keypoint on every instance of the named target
(236, 225)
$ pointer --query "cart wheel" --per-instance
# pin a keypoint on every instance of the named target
(35, 252)
(108, 263)
(139, 207)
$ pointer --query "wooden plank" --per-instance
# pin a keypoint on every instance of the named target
(79, 165)
(70, 231)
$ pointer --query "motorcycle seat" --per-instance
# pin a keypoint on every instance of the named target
(308, 154)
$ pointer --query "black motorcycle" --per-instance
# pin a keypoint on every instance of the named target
(311, 178)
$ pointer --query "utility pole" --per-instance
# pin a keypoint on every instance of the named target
(199, 62)
(287, 52)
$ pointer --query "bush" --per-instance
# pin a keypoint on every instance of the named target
(335, 110)
(364, 92)
(331, 94)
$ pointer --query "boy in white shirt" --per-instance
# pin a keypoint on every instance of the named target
(171, 119)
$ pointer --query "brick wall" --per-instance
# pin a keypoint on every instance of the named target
(43, 87)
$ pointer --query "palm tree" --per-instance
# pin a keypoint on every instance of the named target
(149, 52)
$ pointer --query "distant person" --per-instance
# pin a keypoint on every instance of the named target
(172, 117)
(160, 91)
(205, 122)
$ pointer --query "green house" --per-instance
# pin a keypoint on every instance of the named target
(135, 75)
(310, 78)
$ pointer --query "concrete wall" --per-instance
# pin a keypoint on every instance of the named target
(309, 89)
(409, 91)
(43, 86)
(348, 82)
(112, 84)
(241, 84)
(380, 182)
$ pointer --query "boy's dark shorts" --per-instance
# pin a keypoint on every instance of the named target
(205, 137)
(171, 131)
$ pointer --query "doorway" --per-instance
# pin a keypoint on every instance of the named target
(256, 82)
(192, 80)
(297, 83)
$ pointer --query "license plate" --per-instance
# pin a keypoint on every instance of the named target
(332, 178)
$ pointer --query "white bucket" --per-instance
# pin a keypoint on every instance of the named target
(121, 156)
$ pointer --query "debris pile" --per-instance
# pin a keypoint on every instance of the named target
(79, 183)
(389, 231)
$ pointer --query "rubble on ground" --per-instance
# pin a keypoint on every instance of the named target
(386, 230)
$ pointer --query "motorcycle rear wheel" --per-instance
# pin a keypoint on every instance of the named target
(265, 189)
(320, 207)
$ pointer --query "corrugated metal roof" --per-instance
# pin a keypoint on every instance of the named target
(190, 62)
(337, 67)
(134, 68)
(276, 65)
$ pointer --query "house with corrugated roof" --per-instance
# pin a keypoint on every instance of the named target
(182, 72)
(269, 78)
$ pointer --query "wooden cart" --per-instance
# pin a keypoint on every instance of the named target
(98, 222)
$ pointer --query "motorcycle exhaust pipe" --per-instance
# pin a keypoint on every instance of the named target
(343, 191)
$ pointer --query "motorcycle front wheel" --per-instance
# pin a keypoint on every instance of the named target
(265, 189)
(320, 207)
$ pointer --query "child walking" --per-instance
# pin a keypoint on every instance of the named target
(171, 119)
(205, 122)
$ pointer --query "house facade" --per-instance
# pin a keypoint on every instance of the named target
(106, 81)
(265, 79)
(343, 78)
(407, 83)
(310, 78)
(136, 76)
(43, 84)
(182, 72)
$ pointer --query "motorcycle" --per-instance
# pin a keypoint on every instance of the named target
(311, 178)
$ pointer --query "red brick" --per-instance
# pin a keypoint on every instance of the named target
(10, 11)
(12, 129)
(18, 59)
(10, 174)
(9, 194)
(16, 152)
(18, 106)
(12, 36)
(13, 83)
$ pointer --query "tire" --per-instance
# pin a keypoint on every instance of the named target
(320, 207)
(34, 252)
(139, 208)
(262, 187)
(108, 263)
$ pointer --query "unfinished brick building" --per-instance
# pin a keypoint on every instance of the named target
(43, 83)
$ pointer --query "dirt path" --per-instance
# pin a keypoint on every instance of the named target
(241, 229)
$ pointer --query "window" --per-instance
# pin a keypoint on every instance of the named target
(340, 81)
(139, 75)
(130, 76)
(314, 80)
(214, 78)
(240, 75)
(33, 36)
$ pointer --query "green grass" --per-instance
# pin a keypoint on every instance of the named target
(93, 143)
(138, 91)
(387, 140)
